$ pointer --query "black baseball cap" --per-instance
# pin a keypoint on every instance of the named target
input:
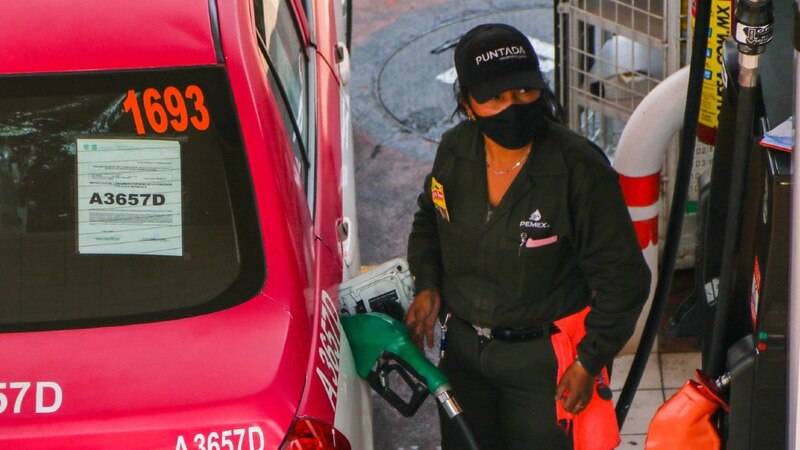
(495, 57)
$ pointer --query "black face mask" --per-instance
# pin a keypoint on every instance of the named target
(515, 126)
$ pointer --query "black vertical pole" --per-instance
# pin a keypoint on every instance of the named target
(677, 210)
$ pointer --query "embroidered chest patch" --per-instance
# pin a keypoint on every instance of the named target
(535, 231)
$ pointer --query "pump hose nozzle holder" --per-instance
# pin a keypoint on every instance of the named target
(754, 26)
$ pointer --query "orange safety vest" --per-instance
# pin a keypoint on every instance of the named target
(595, 428)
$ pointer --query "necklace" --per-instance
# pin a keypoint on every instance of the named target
(510, 169)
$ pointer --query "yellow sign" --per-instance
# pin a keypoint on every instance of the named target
(437, 195)
(719, 30)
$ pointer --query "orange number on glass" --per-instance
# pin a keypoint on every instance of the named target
(168, 110)
(177, 109)
(132, 105)
(193, 92)
(156, 115)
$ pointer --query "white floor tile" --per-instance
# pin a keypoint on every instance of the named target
(632, 441)
(650, 380)
(644, 406)
(676, 368)
(668, 393)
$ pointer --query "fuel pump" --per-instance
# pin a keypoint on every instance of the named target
(743, 253)
(382, 347)
(753, 31)
(742, 269)
(793, 440)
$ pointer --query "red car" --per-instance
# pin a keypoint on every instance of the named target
(175, 222)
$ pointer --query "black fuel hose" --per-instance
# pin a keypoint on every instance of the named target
(444, 397)
(745, 111)
(756, 16)
(466, 432)
(674, 227)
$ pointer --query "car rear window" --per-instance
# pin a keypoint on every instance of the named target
(124, 198)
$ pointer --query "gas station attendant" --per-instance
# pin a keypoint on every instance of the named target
(523, 248)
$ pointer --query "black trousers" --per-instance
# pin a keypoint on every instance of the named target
(506, 390)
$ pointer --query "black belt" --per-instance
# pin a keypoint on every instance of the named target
(523, 334)
(514, 334)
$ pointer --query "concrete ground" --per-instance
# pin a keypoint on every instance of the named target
(399, 106)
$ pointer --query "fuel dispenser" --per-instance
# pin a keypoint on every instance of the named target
(739, 311)
(743, 272)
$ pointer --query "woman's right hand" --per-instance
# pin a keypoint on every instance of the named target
(421, 317)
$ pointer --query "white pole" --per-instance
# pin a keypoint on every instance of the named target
(794, 281)
(640, 154)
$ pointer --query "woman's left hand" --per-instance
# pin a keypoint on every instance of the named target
(575, 388)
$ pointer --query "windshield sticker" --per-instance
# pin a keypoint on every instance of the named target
(168, 110)
(129, 197)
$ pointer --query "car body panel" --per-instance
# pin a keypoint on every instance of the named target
(54, 36)
(156, 381)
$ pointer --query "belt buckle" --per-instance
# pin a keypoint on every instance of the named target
(485, 333)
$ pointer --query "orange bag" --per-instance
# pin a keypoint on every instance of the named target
(595, 428)
(684, 421)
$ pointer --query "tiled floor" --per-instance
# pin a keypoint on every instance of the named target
(664, 374)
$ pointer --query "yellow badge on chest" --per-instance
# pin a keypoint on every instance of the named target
(437, 195)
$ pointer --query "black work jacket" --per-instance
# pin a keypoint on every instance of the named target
(560, 239)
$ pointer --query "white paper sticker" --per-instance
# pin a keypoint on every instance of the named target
(129, 197)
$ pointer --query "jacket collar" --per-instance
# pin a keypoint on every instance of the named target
(546, 157)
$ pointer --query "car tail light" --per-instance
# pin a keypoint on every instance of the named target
(313, 434)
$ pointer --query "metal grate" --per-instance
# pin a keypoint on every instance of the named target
(612, 53)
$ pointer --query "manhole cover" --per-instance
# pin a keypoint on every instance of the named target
(415, 85)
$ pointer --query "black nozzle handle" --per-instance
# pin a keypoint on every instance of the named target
(454, 412)
(378, 379)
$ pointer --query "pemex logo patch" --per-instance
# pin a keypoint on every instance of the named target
(534, 221)
(535, 232)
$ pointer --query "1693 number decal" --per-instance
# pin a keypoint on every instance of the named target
(167, 109)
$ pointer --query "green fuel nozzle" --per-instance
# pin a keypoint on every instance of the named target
(381, 346)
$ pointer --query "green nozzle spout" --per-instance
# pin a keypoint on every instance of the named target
(372, 334)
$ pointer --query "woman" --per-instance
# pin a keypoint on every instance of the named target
(522, 226)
